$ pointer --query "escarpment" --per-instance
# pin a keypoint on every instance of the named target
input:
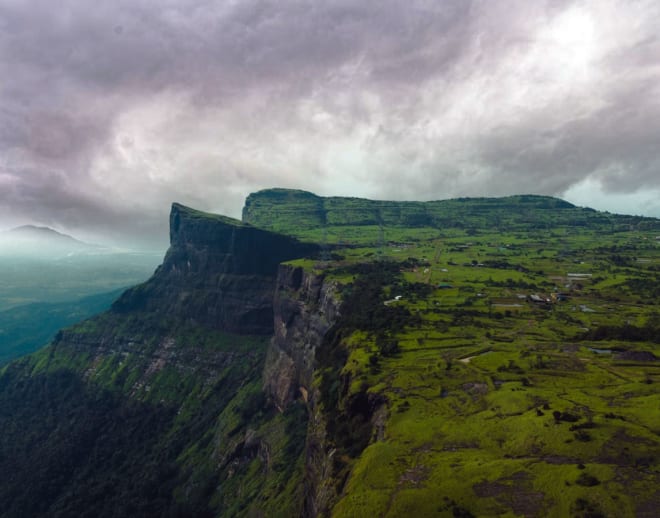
(399, 372)
(218, 273)
(166, 391)
(306, 307)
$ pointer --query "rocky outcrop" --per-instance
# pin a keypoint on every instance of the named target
(150, 356)
(305, 307)
(218, 273)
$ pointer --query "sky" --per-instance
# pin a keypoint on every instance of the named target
(112, 110)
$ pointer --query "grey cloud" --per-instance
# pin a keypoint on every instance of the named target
(616, 144)
(48, 199)
(112, 111)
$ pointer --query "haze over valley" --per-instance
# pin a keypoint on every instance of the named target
(49, 280)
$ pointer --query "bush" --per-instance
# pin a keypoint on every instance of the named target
(582, 436)
(584, 509)
(587, 480)
(387, 346)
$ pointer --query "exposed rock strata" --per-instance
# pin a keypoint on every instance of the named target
(218, 272)
(305, 309)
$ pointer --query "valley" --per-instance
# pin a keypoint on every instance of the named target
(49, 280)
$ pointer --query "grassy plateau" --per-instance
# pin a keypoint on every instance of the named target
(522, 379)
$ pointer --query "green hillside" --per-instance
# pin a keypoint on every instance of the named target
(333, 219)
(471, 357)
(520, 371)
(148, 432)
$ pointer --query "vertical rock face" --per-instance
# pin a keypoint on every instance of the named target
(218, 272)
(305, 307)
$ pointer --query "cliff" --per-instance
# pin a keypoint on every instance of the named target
(155, 407)
(218, 273)
(335, 220)
(402, 375)
(305, 309)
(298, 212)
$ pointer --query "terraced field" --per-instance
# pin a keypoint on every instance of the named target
(523, 379)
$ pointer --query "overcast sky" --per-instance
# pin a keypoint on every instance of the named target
(111, 110)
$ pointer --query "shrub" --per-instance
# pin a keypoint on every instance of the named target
(587, 480)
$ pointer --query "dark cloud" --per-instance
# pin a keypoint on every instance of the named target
(110, 112)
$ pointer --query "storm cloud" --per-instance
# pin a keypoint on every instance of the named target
(110, 111)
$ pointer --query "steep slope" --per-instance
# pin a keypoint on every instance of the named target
(218, 273)
(306, 308)
(154, 407)
(500, 364)
(479, 357)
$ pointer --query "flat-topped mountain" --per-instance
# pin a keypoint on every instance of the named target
(339, 356)
(300, 213)
(218, 272)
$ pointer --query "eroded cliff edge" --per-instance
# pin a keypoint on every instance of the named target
(218, 273)
(181, 357)
(306, 308)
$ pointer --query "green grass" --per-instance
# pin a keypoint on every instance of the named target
(480, 435)
(490, 404)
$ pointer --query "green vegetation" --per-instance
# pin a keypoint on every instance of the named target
(493, 357)
(199, 215)
(169, 420)
(25, 329)
(27, 280)
(519, 371)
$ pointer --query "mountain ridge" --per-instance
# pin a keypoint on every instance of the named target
(47, 234)
(222, 272)
(412, 362)
(44, 244)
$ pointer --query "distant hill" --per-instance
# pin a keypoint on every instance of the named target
(316, 218)
(39, 264)
(35, 232)
(33, 240)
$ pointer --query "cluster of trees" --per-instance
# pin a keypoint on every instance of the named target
(501, 264)
(363, 308)
(363, 301)
(648, 288)
(515, 284)
(650, 332)
(71, 450)
(413, 262)
(621, 260)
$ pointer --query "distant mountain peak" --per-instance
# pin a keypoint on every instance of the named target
(35, 240)
(38, 231)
